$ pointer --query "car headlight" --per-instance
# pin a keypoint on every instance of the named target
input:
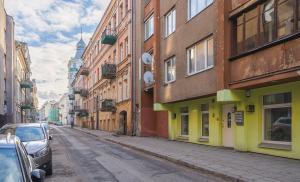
(42, 152)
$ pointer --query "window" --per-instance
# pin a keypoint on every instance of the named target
(277, 117)
(200, 57)
(121, 12)
(126, 47)
(265, 23)
(170, 22)
(204, 121)
(121, 52)
(184, 121)
(196, 6)
(170, 70)
(126, 5)
(149, 27)
(115, 56)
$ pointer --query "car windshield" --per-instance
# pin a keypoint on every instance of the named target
(10, 166)
(27, 134)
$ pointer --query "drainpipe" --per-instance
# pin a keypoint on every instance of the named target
(133, 69)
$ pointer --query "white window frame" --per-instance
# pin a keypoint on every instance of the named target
(184, 114)
(189, 8)
(204, 112)
(273, 106)
(171, 16)
(148, 24)
(173, 63)
(195, 53)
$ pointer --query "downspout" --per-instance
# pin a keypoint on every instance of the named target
(133, 69)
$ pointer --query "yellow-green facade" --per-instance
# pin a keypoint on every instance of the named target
(247, 137)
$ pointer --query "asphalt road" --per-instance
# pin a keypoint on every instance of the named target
(80, 157)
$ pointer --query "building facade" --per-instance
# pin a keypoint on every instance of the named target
(63, 109)
(233, 80)
(147, 41)
(73, 67)
(106, 72)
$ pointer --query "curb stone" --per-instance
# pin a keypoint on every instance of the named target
(173, 160)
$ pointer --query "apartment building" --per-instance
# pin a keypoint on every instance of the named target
(147, 41)
(233, 80)
(24, 85)
(106, 71)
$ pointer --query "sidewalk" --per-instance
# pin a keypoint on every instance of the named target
(226, 163)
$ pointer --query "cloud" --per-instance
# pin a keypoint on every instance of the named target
(52, 29)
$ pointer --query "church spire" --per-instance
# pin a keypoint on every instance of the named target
(80, 47)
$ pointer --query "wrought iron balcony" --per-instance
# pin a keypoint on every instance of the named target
(71, 97)
(26, 105)
(107, 105)
(76, 90)
(81, 112)
(108, 37)
(71, 111)
(84, 93)
(84, 71)
(109, 71)
(26, 84)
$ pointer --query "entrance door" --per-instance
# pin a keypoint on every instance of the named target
(227, 125)
(123, 122)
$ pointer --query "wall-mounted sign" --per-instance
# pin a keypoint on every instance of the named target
(239, 118)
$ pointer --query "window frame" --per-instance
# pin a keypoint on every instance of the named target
(150, 18)
(189, 73)
(189, 16)
(171, 14)
(260, 40)
(274, 106)
(184, 114)
(173, 63)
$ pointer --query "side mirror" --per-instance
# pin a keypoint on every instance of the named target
(38, 175)
(50, 137)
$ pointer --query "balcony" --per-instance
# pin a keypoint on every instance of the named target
(107, 105)
(26, 105)
(71, 112)
(76, 90)
(81, 112)
(84, 93)
(108, 37)
(84, 71)
(109, 71)
(26, 84)
(71, 97)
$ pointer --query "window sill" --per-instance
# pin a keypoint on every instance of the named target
(149, 38)
(168, 83)
(203, 139)
(287, 147)
(266, 46)
(192, 74)
(183, 138)
(167, 36)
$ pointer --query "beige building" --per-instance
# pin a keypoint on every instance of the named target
(106, 71)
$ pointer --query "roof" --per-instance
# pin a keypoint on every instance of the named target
(8, 141)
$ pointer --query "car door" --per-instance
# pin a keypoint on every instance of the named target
(25, 163)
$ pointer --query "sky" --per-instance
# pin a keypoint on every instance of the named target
(52, 28)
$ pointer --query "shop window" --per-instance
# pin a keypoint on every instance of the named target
(184, 121)
(200, 56)
(205, 120)
(277, 113)
(264, 23)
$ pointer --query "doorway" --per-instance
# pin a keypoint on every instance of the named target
(123, 122)
(228, 121)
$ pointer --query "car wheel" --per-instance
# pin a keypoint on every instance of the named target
(49, 171)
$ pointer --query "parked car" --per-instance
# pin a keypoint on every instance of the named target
(37, 143)
(16, 164)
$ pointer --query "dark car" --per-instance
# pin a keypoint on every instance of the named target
(36, 141)
(16, 164)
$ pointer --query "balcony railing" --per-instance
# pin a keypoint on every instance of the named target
(71, 111)
(81, 112)
(26, 105)
(26, 84)
(76, 90)
(84, 93)
(71, 97)
(84, 71)
(109, 37)
(109, 71)
(107, 105)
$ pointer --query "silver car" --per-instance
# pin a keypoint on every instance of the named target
(36, 141)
